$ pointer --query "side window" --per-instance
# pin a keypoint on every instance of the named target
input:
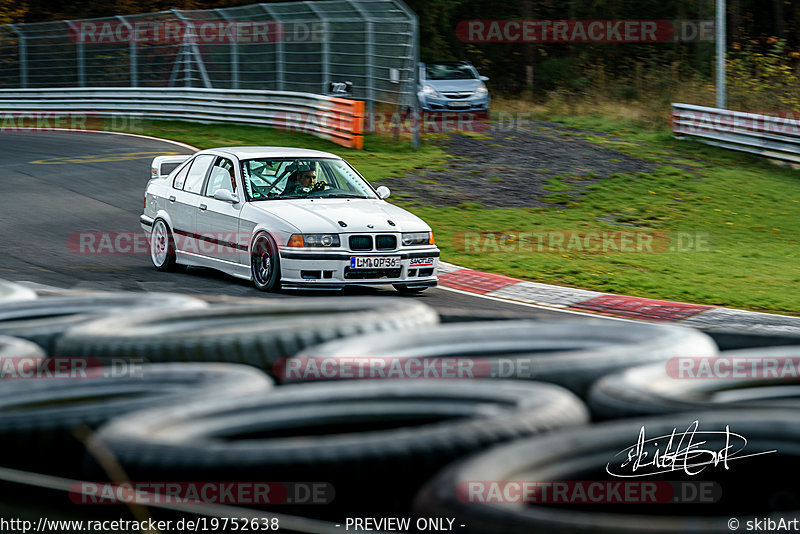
(180, 177)
(197, 173)
(222, 177)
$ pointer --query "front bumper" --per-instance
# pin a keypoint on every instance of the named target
(452, 104)
(316, 269)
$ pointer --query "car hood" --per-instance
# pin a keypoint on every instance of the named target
(322, 215)
(454, 86)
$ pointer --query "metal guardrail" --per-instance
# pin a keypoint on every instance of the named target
(339, 120)
(770, 136)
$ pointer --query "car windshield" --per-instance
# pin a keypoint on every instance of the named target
(450, 71)
(288, 178)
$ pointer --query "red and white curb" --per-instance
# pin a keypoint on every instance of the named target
(638, 308)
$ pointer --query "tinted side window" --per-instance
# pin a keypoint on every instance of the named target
(197, 173)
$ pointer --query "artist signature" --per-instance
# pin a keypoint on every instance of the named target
(679, 451)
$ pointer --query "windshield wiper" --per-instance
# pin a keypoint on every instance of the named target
(343, 195)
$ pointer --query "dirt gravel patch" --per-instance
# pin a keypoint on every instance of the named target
(516, 168)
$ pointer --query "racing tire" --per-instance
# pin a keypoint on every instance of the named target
(162, 248)
(265, 263)
(45, 319)
(374, 442)
(582, 455)
(258, 332)
(11, 347)
(39, 415)
(571, 353)
(11, 292)
(661, 389)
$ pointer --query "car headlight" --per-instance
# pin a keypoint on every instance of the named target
(481, 91)
(427, 90)
(314, 240)
(417, 238)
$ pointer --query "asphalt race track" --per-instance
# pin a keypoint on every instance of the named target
(58, 184)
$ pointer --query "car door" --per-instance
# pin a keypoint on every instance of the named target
(184, 201)
(218, 220)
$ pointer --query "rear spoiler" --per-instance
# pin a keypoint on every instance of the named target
(163, 165)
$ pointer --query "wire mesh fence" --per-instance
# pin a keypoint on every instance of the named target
(293, 46)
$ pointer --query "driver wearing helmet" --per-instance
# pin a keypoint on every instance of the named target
(303, 181)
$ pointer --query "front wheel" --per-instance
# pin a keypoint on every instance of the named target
(265, 266)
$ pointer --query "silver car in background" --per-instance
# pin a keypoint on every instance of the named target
(284, 217)
(452, 86)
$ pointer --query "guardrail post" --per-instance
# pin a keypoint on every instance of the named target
(234, 52)
(325, 52)
(415, 136)
(190, 48)
(132, 56)
(79, 54)
(23, 56)
(721, 37)
(279, 59)
(369, 54)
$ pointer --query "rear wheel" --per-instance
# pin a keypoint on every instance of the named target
(162, 248)
(265, 264)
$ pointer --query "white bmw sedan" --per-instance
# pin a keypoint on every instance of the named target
(283, 217)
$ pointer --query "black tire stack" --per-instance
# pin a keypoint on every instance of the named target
(544, 401)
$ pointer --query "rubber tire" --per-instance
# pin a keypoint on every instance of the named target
(570, 353)
(405, 290)
(38, 415)
(729, 340)
(170, 264)
(470, 315)
(583, 453)
(355, 436)
(12, 347)
(273, 283)
(45, 319)
(11, 292)
(650, 390)
(258, 332)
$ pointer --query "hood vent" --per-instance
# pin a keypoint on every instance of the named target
(343, 224)
(391, 222)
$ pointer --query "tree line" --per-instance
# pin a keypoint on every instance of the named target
(752, 26)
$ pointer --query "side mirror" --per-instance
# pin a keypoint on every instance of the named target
(484, 78)
(383, 192)
(226, 195)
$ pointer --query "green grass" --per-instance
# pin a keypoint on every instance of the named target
(746, 208)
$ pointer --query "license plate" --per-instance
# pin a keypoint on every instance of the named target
(374, 262)
(420, 262)
(459, 104)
